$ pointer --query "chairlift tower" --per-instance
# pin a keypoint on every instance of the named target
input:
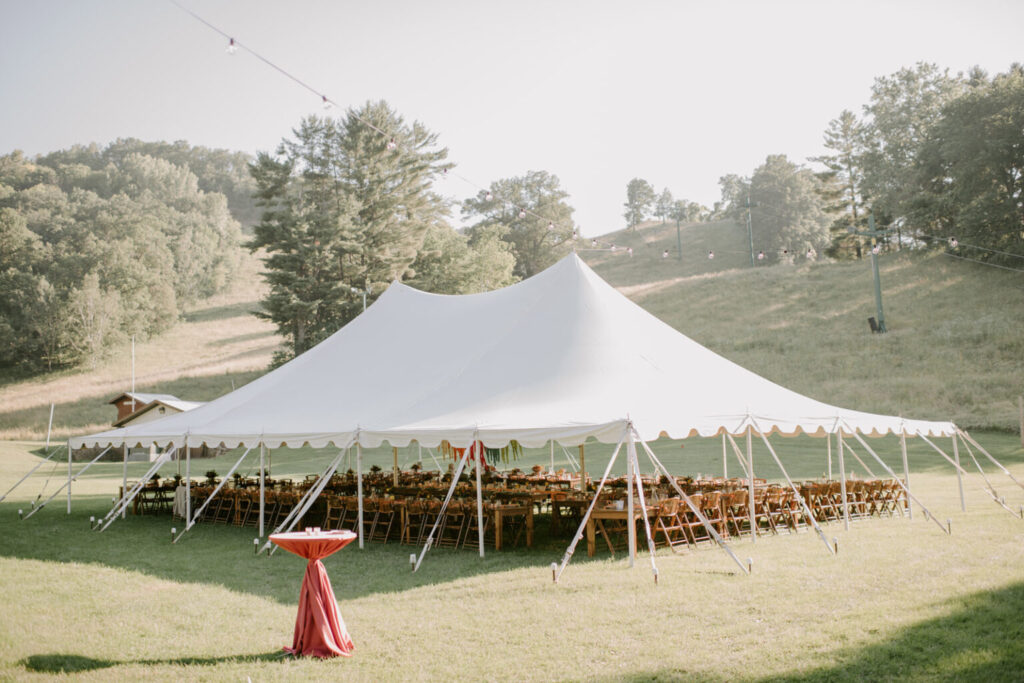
(874, 235)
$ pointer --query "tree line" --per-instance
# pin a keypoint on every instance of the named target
(97, 244)
(937, 158)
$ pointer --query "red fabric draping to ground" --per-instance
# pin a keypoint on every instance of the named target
(319, 628)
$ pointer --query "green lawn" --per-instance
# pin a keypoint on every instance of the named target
(900, 599)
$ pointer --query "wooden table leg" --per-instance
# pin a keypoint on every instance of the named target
(529, 528)
(498, 523)
(591, 542)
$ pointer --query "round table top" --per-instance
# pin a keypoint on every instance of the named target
(313, 545)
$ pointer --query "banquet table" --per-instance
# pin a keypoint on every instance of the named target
(319, 628)
(597, 519)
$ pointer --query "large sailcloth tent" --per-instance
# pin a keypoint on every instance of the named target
(560, 356)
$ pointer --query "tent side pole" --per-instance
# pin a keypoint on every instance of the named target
(583, 471)
(480, 497)
(552, 443)
(29, 474)
(694, 509)
(927, 512)
(751, 505)
(188, 480)
(969, 439)
(643, 506)
(124, 476)
(263, 488)
(444, 506)
(359, 489)
(630, 481)
(842, 483)
(906, 472)
(191, 521)
(828, 452)
(725, 461)
(69, 476)
(959, 475)
(740, 458)
(67, 485)
(586, 517)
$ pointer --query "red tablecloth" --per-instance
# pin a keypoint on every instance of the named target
(319, 629)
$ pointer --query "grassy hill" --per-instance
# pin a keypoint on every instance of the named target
(955, 347)
(954, 350)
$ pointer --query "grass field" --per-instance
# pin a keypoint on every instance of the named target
(900, 600)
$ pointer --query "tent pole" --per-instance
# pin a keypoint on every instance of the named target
(969, 439)
(444, 506)
(630, 520)
(68, 485)
(29, 474)
(583, 472)
(751, 503)
(991, 490)
(190, 521)
(263, 487)
(188, 480)
(828, 449)
(796, 492)
(842, 482)
(394, 457)
(927, 512)
(959, 475)
(725, 462)
(124, 476)
(69, 476)
(738, 453)
(643, 506)
(693, 508)
(129, 496)
(906, 472)
(480, 497)
(586, 517)
(359, 489)
(863, 464)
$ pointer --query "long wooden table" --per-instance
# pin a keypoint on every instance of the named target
(601, 515)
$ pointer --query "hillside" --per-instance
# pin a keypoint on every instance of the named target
(955, 348)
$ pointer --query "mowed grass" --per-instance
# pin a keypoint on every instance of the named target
(901, 599)
(954, 350)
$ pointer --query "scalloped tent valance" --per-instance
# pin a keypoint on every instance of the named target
(560, 356)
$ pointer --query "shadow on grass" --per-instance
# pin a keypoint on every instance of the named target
(979, 640)
(211, 313)
(215, 555)
(62, 664)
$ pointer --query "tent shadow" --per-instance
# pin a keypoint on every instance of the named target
(67, 663)
(224, 555)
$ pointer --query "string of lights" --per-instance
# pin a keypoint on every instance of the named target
(953, 242)
(234, 45)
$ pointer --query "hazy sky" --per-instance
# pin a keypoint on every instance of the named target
(678, 93)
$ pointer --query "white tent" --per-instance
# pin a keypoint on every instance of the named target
(561, 356)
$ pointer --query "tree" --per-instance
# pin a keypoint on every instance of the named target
(663, 206)
(903, 108)
(788, 212)
(971, 168)
(452, 263)
(347, 205)
(735, 192)
(843, 178)
(639, 197)
(528, 212)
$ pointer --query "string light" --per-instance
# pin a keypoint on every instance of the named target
(760, 255)
(664, 254)
(593, 243)
(392, 144)
(231, 48)
(810, 253)
(327, 104)
(877, 249)
(953, 243)
(522, 213)
(575, 233)
(489, 196)
(551, 225)
(711, 256)
(629, 251)
(614, 247)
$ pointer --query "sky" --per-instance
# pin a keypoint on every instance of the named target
(597, 93)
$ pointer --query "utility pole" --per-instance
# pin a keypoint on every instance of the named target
(874, 235)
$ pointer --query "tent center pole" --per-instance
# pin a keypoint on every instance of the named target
(828, 449)
(583, 471)
(263, 487)
(124, 476)
(394, 457)
(725, 462)
(69, 476)
(188, 480)
(480, 497)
